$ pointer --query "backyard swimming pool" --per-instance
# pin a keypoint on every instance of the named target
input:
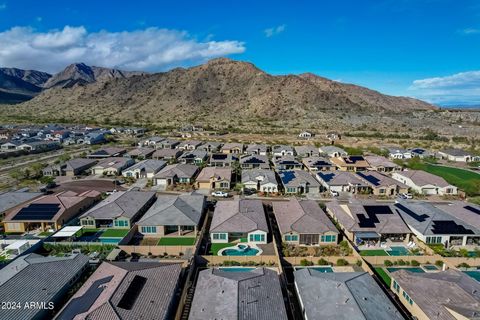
(320, 269)
(110, 240)
(398, 251)
(413, 269)
(240, 250)
(237, 269)
(474, 274)
(430, 267)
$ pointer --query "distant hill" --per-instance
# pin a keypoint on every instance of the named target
(220, 90)
(18, 85)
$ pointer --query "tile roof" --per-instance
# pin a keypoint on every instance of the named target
(149, 166)
(422, 178)
(239, 215)
(340, 178)
(232, 295)
(343, 295)
(263, 175)
(8, 200)
(303, 216)
(379, 161)
(215, 173)
(376, 179)
(296, 178)
(179, 170)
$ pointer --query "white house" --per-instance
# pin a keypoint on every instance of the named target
(457, 155)
(425, 183)
(144, 169)
(260, 179)
(395, 153)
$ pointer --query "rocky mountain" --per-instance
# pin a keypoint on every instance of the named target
(81, 74)
(18, 85)
(220, 91)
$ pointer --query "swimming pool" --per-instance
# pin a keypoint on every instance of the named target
(320, 269)
(430, 267)
(240, 250)
(236, 269)
(412, 269)
(398, 251)
(474, 274)
(110, 240)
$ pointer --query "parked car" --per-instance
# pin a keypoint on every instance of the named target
(406, 196)
(220, 194)
(334, 193)
(249, 192)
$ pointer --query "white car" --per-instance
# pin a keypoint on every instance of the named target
(406, 196)
(334, 193)
(220, 194)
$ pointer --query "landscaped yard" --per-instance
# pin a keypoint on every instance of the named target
(178, 241)
(367, 253)
(215, 247)
(385, 277)
(114, 233)
(466, 180)
(45, 234)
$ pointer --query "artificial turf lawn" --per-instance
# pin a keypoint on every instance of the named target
(385, 277)
(367, 253)
(180, 241)
(215, 247)
(466, 180)
(114, 233)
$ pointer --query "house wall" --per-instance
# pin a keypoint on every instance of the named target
(269, 187)
(257, 232)
(414, 309)
(204, 185)
(219, 240)
(14, 227)
(160, 231)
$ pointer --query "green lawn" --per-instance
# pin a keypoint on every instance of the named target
(367, 253)
(114, 233)
(180, 241)
(466, 180)
(215, 247)
(45, 234)
(385, 277)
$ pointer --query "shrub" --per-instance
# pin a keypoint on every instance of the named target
(415, 263)
(359, 263)
(463, 265)
(323, 262)
(342, 262)
(439, 263)
(305, 263)
(401, 262)
(388, 263)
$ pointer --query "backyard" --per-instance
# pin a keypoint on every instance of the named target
(176, 241)
(384, 276)
(114, 233)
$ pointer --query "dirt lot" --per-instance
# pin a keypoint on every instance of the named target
(85, 185)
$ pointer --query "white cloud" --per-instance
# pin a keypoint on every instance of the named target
(459, 88)
(469, 31)
(149, 49)
(270, 32)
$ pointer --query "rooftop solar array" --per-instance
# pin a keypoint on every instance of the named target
(371, 218)
(419, 218)
(219, 156)
(373, 180)
(38, 211)
(449, 227)
(472, 209)
(131, 294)
(254, 160)
(353, 159)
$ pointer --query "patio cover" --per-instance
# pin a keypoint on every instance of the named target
(67, 232)
(367, 235)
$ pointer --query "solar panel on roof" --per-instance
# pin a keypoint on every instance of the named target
(419, 218)
(131, 294)
(373, 180)
(219, 156)
(38, 211)
(449, 227)
(371, 218)
(472, 209)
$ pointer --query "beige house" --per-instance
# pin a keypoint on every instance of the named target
(350, 163)
(236, 148)
(212, 178)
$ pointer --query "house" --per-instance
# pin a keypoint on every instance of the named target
(213, 178)
(260, 179)
(421, 153)
(112, 166)
(367, 222)
(381, 164)
(282, 150)
(167, 144)
(210, 147)
(342, 295)
(398, 153)
(144, 169)
(10, 145)
(222, 160)
(425, 183)
(140, 153)
(287, 163)
(298, 182)
(342, 181)
(448, 295)
(71, 168)
(243, 295)
(11, 199)
(150, 142)
(126, 290)
(107, 153)
(304, 223)
(39, 146)
(332, 151)
(254, 162)
(197, 157)
(95, 137)
(189, 145)
(258, 149)
(449, 223)
(175, 173)
(350, 163)
(173, 215)
(119, 210)
(232, 147)
(307, 151)
(457, 155)
(333, 135)
(239, 218)
(49, 212)
(382, 185)
(166, 154)
(314, 164)
(305, 135)
(37, 285)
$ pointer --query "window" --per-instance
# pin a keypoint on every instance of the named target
(396, 286)
(291, 190)
(121, 223)
(433, 240)
(219, 236)
(292, 237)
(257, 238)
(407, 297)
(149, 229)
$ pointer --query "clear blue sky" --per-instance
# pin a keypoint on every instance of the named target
(385, 45)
